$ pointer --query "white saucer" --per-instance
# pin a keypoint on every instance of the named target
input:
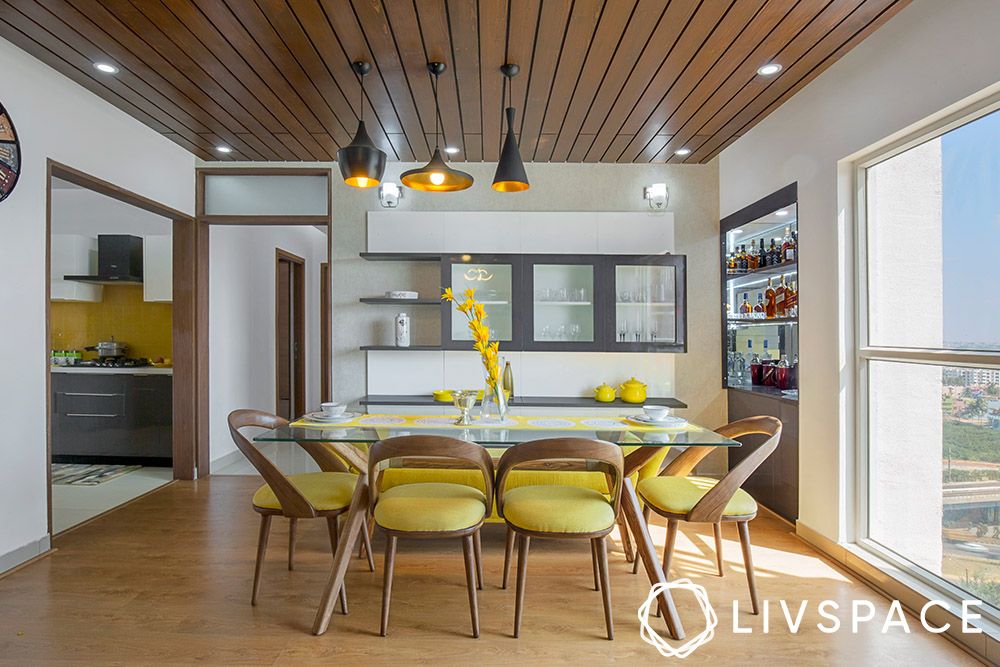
(668, 421)
(321, 417)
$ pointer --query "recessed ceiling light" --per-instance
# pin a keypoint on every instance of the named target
(769, 69)
(106, 68)
(782, 213)
(450, 150)
(682, 151)
(224, 149)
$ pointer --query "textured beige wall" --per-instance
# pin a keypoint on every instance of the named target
(555, 187)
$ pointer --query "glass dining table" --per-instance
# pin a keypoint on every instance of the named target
(348, 439)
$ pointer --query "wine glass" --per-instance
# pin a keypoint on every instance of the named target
(622, 331)
(574, 331)
(561, 332)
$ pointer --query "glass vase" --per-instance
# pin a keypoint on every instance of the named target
(494, 405)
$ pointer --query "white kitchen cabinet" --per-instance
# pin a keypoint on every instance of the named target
(74, 254)
(157, 268)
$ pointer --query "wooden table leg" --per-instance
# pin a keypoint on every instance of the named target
(345, 547)
(647, 552)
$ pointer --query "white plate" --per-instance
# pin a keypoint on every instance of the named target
(669, 421)
(322, 418)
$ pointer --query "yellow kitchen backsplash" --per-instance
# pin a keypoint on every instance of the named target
(146, 327)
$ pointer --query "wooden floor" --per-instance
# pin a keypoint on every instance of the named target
(166, 579)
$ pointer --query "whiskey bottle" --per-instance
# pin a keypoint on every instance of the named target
(792, 301)
(745, 308)
(744, 261)
(779, 298)
(758, 310)
(787, 251)
(792, 251)
(762, 260)
(769, 295)
(773, 254)
(752, 257)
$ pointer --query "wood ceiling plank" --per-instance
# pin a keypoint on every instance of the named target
(190, 147)
(634, 42)
(368, 19)
(432, 17)
(253, 37)
(380, 115)
(296, 137)
(831, 47)
(791, 25)
(178, 45)
(714, 47)
(463, 29)
(543, 151)
(401, 145)
(492, 53)
(652, 148)
(215, 140)
(607, 146)
(102, 27)
(667, 154)
(552, 25)
(522, 34)
(78, 66)
(607, 37)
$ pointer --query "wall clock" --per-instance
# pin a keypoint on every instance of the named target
(10, 154)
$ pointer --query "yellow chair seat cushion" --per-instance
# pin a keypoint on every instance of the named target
(678, 495)
(326, 491)
(430, 506)
(558, 509)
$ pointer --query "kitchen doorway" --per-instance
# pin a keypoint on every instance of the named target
(121, 350)
(289, 334)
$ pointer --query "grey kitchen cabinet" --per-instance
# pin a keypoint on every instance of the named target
(775, 484)
(98, 416)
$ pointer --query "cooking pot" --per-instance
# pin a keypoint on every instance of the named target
(108, 349)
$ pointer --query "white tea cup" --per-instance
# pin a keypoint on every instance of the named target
(333, 409)
(655, 412)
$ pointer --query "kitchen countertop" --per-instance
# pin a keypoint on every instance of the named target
(100, 370)
(521, 401)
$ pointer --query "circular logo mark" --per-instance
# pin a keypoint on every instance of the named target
(650, 636)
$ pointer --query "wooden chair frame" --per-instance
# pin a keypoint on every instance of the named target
(294, 505)
(600, 457)
(712, 505)
(430, 447)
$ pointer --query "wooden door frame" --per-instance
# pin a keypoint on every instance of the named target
(203, 223)
(325, 320)
(298, 329)
(185, 349)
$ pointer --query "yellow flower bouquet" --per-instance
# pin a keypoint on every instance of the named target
(487, 349)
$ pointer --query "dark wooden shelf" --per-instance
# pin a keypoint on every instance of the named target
(400, 257)
(778, 269)
(412, 348)
(773, 320)
(521, 401)
(381, 301)
(762, 390)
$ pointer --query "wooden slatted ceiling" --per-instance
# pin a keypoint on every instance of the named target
(601, 80)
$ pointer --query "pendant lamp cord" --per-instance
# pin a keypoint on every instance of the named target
(437, 115)
(361, 87)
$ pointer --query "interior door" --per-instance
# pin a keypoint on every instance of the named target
(289, 335)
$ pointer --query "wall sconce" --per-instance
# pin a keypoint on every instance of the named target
(389, 194)
(657, 196)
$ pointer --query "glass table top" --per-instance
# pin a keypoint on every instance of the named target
(690, 435)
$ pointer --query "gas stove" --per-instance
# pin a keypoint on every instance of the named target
(115, 362)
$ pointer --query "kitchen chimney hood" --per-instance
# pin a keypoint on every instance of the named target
(119, 261)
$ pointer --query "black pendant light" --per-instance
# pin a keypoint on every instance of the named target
(361, 162)
(436, 175)
(510, 176)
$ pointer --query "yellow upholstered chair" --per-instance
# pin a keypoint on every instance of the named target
(325, 494)
(561, 511)
(679, 497)
(432, 509)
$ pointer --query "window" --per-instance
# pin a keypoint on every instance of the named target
(929, 357)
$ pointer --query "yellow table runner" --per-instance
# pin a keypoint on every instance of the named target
(514, 422)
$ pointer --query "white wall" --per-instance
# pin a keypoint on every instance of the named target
(88, 213)
(55, 118)
(929, 56)
(241, 320)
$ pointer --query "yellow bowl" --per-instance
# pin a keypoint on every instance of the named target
(443, 396)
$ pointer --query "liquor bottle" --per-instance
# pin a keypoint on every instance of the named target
(508, 380)
(756, 372)
(792, 252)
(744, 260)
(786, 246)
(731, 263)
(771, 254)
(745, 308)
(767, 355)
(753, 256)
(779, 298)
(792, 301)
(769, 300)
(762, 260)
(740, 368)
(758, 310)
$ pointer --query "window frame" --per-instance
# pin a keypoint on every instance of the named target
(865, 353)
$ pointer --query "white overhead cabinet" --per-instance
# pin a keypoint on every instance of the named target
(74, 254)
(157, 268)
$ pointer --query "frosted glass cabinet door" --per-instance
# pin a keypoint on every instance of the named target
(563, 311)
(496, 279)
(648, 298)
